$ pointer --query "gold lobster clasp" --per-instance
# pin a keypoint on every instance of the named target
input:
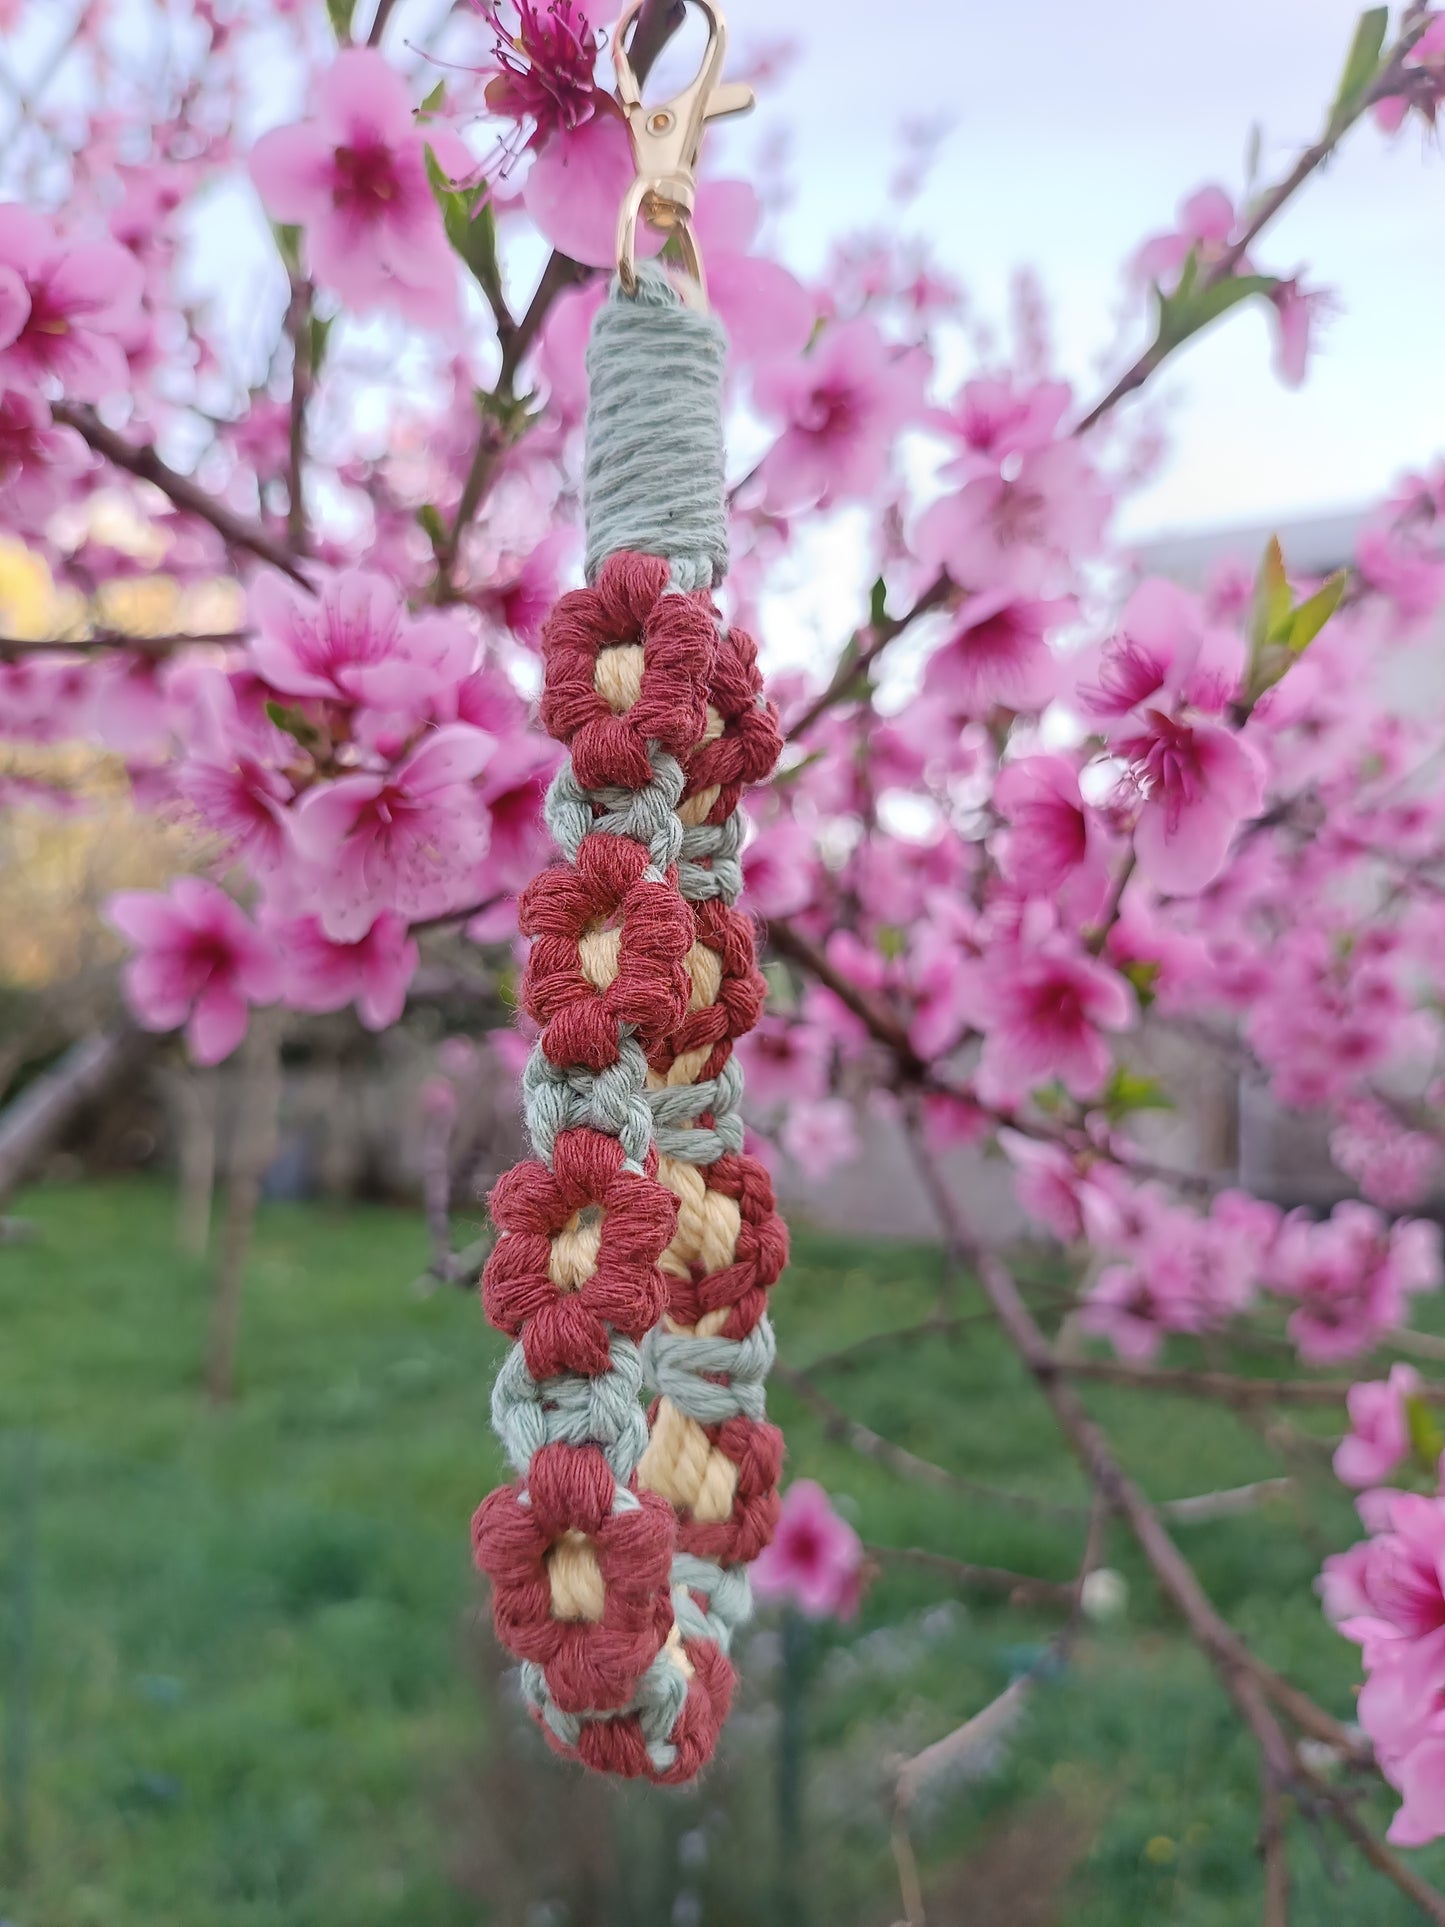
(665, 139)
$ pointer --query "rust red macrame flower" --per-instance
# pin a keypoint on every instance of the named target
(565, 1327)
(679, 637)
(607, 895)
(751, 740)
(715, 1026)
(589, 1664)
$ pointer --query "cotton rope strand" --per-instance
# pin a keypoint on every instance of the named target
(617, 1562)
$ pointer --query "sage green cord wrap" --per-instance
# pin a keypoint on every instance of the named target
(653, 481)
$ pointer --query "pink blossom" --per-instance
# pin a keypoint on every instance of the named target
(1423, 81)
(200, 962)
(1045, 1006)
(1047, 1183)
(374, 972)
(944, 976)
(1053, 842)
(1166, 653)
(1379, 1435)
(994, 418)
(1197, 783)
(65, 308)
(1393, 1166)
(545, 56)
(783, 1060)
(1185, 1274)
(1126, 1308)
(819, 1134)
(1386, 1594)
(1419, 1777)
(1160, 680)
(513, 788)
(998, 654)
(1297, 311)
(842, 406)
(519, 600)
(573, 193)
(39, 460)
(409, 840)
(779, 867)
(354, 176)
(355, 643)
(1206, 221)
(1354, 1275)
(1329, 1013)
(815, 1559)
(952, 1120)
(1021, 528)
(229, 775)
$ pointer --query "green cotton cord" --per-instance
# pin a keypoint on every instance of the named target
(653, 481)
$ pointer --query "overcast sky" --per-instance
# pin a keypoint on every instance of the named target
(1077, 128)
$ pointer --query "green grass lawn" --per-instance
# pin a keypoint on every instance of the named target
(262, 1692)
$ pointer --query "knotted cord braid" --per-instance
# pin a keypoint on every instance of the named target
(710, 1450)
(638, 963)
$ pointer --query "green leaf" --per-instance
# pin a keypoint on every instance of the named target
(1143, 973)
(435, 100)
(1426, 1440)
(288, 246)
(429, 516)
(1129, 1091)
(878, 604)
(294, 723)
(891, 941)
(1269, 613)
(339, 13)
(1362, 67)
(781, 778)
(470, 225)
(1190, 308)
(1312, 615)
(320, 334)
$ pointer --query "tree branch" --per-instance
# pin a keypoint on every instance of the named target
(878, 636)
(1249, 1684)
(1221, 269)
(378, 24)
(145, 464)
(298, 326)
(1024, 1589)
(1224, 1387)
(12, 647)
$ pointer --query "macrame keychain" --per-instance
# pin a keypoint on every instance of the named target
(639, 1245)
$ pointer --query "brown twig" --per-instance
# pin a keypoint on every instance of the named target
(994, 1719)
(1274, 1849)
(1223, 1387)
(658, 21)
(12, 647)
(851, 669)
(880, 1022)
(142, 461)
(378, 24)
(1024, 1589)
(298, 327)
(1430, 1902)
(1251, 1685)
(1265, 210)
(838, 1424)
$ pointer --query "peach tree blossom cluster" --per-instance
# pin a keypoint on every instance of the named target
(1037, 809)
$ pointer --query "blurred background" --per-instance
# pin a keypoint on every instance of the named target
(246, 1676)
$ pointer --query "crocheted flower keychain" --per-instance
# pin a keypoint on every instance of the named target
(638, 1246)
